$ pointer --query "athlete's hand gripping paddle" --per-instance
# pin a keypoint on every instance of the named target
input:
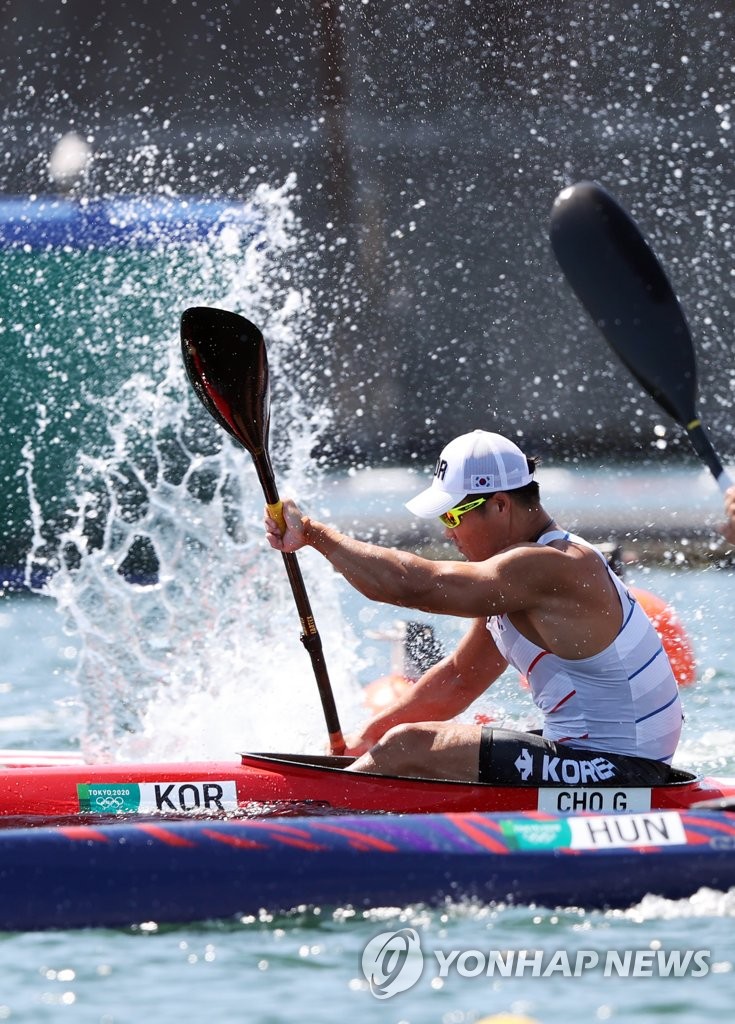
(620, 282)
(226, 362)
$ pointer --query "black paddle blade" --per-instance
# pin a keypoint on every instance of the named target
(226, 362)
(623, 287)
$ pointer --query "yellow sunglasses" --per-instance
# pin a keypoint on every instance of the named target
(451, 519)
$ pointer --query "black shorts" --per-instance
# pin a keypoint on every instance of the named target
(527, 759)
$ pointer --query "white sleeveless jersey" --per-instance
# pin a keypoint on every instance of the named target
(624, 700)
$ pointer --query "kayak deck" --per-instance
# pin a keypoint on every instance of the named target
(36, 790)
(168, 872)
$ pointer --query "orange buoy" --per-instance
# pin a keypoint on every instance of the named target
(382, 692)
(675, 641)
(508, 1018)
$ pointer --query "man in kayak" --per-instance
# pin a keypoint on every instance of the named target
(540, 599)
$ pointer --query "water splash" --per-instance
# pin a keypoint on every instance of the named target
(200, 658)
(704, 903)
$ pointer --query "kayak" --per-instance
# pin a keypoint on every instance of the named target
(114, 845)
(174, 872)
(49, 788)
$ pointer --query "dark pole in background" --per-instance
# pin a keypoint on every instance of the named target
(333, 97)
(340, 269)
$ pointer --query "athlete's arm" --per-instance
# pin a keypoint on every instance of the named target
(517, 579)
(445, 690)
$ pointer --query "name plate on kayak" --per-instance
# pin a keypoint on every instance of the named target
(572, 801)
(653, 829)
(157, 797)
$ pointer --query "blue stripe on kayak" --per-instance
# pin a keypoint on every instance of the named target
(662, 708)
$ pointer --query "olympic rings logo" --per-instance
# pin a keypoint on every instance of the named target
(109, 803)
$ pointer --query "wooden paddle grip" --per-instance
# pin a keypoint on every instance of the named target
(276, 513)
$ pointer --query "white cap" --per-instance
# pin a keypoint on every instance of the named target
(476, 463)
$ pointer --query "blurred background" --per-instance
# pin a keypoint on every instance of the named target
(422, 146)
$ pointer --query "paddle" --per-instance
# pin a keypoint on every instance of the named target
(623, 287)
(226, 362)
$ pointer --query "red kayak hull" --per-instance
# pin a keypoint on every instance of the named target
(256, 784)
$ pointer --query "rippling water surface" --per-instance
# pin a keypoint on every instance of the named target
(307, 965)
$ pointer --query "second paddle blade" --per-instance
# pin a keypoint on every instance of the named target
(226, 362)
(623, 287)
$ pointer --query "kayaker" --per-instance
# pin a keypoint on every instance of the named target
(539, 598)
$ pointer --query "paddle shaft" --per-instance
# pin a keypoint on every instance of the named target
(309, 634)
(703, 447)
